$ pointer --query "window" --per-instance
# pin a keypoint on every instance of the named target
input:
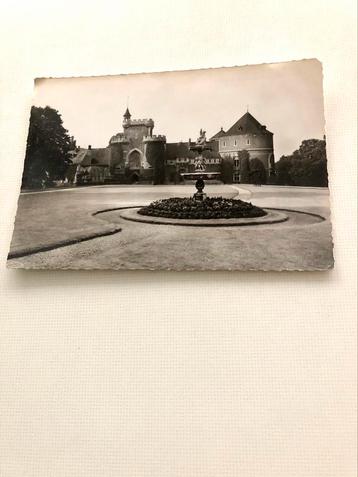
(236, 177)
(235, 142)
(248, 142)
(224, 143)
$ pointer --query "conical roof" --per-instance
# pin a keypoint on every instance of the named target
(247, 124)
(127, 114)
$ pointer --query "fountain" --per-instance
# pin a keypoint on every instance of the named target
(200, 172)
(209, 210)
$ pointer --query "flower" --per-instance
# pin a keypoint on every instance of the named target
(211, 207)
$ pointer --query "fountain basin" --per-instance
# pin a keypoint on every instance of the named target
(271, 217)
(193, 176)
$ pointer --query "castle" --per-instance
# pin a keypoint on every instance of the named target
(137, 155)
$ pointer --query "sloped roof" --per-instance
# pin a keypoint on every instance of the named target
(218, 134)
(86, 157)
(181, 149)
(178, 149)
(211, 154)
(78, 158)
(247, 124)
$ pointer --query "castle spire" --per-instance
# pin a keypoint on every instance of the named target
(127, 114)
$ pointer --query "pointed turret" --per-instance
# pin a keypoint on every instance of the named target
(127, 115)
(127, 118)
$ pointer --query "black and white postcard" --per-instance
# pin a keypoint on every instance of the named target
(217, 169)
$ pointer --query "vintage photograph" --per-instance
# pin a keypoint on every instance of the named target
(216, 169)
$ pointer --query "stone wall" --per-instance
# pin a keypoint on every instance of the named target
(155, 156)
(135, 133)
(258, 146)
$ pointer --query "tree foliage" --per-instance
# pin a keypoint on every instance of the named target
(227, 167)
(307, 166)
(244, 158)
(257, 172)
(47, 148)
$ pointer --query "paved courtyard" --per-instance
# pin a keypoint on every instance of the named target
(48, 219)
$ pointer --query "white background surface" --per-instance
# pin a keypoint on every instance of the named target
(178, 374)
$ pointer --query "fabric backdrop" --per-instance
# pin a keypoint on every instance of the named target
(178, 374)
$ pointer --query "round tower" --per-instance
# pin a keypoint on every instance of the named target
(118, 146)
(260, 146)
(154, 151)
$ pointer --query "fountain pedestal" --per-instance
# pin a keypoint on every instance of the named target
(200, 195)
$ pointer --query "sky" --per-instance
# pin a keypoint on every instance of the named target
(286, 97)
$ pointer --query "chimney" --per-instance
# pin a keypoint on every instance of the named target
(89, 146)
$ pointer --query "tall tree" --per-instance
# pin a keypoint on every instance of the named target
(307, 166)
(283, 171)
(47, 148)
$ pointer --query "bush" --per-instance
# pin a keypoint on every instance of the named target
(210, 208)
(257, 172)
(227, 169)
(244, 158)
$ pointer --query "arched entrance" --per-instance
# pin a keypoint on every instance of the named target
(134, 178)
(134, 159)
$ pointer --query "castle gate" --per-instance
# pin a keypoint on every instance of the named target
(134, 159)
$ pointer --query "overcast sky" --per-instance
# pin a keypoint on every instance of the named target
(286, 97)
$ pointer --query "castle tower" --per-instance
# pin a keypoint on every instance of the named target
(126, 118)
(137, 154)
(154, 151)
(247, 134)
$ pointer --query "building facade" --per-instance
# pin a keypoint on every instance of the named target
(137, 155)
(247, 134)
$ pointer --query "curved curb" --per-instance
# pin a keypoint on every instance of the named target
(322, 219)
(271, 218)
(242, 193)
(63, 243)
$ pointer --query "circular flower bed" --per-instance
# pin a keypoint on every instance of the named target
(210, 208)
